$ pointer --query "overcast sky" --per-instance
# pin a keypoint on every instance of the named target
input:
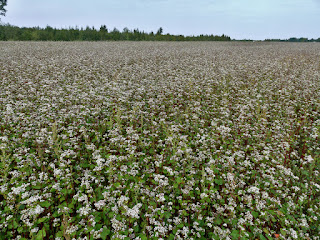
(239, 19)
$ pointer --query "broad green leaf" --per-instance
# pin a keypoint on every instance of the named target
(255, 214)
(143, 237)
(45, 204)
(104, 233)
(22, 206)
(41, 234)
(218, 181)
(38, 186)
(42, 219)
(218, 221)
(262, 237)
(284, 233)
(171, 237)
(235, 234)
(266, 230)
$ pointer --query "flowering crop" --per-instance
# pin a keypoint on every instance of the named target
(158, 140)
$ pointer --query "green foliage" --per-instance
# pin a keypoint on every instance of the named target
(3, 4)
(13, 33)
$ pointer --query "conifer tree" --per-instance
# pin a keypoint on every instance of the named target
(3, 4)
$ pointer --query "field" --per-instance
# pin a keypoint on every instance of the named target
(159, 140)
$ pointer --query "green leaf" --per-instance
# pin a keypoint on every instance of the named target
(42, 219)
(218, 221)
(98, 218)
(45, 204)
(143, 237)
(38, 186)
(41, 234)
(262, 237)
(255, 214)
(171, 237)
(269, 237)
(136, 228)
(22, 206)
(179, 180)
(71, 206)
(104, 233)
(180, 226)
(218, 181)
(266, 231)
(235, 234)
(167, 215)
(284, 233)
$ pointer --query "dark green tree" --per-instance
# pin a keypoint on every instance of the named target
(103, 28)
(3, 4)
(160, 31)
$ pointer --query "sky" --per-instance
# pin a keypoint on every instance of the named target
(239, 19)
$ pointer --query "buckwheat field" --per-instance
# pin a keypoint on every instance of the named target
(159, 140)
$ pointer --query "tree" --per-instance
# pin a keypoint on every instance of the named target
(160, 31)
(103, 28)
(3, 3)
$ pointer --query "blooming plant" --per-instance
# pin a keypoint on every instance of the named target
(159, 140)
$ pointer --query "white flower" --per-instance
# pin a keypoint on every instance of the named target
(34, 230)
(71, 229)
(224, 130)
(117, 225)
(248, 217)
(91, 146)
(203, 195)
(123, 200)
(83, 198)
(100, 204)
(57, 172)
(9, 109)
(56, 186)
(293, 233)
(32, 199)
(18, 190)
(3, 188)
(4, 138)
(308, 159)
(37, 210)
(134, 212)
(253, 189)
(161, 197)
(185, 231)
(84, 211)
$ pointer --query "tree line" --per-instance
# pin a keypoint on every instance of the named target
(14, 33)
(293, 39)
